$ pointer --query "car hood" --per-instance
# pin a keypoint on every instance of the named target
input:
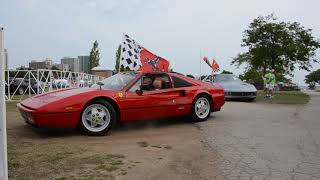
(237, 86)
(57, 100)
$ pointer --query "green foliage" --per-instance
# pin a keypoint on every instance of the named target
(226, 72)
(312, 78)
(54, 68)
(252, 76)
(284, 97)
(94, 56)
(255, 77)
(281, 46)
(118, 53)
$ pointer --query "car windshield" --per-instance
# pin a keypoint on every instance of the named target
(117, 81)
(225, 78)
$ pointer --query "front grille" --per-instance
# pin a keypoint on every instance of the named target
(240, 93)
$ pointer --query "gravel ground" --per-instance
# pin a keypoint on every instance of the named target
(262, 141)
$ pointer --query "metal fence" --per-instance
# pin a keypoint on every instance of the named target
(20, 84)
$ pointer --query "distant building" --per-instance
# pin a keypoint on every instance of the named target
(45, 64)
(6, 59)
(84, 63)
(73, 64)
(101, 71)
(64, 67)
(48, 62)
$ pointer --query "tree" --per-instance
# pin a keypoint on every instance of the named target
(254, 77)
(312, 78)
(118, 53)
(281, 46)
(54, 68)
(94, 56)
(226, 72)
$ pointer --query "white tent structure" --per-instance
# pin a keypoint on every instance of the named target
(3, 128)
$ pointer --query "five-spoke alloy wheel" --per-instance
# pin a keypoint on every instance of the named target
(98, 118)
(201, 108)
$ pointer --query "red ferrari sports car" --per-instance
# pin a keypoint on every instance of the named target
(124, 97)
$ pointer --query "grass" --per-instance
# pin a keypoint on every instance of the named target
(46, 161)
(284, 97)
(18, 98)
(11, 106)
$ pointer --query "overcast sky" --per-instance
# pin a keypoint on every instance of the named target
(174, 29)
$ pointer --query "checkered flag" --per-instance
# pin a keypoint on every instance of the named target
(130, 54)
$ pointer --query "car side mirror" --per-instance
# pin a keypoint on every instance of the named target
(100, 84)
(139, 91)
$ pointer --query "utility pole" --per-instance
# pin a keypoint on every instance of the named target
(3, 127)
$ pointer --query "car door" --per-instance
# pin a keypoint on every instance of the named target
(134, 105)
(170, 102)
(151, 104)
(184, 98)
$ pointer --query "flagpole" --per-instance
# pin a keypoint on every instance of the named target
(200, 65)
(3, 128)
(212, 71)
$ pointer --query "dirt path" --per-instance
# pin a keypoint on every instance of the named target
(261, 141)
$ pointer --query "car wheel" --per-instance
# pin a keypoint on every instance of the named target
(201, 108)
(98, 118)
(21, 91)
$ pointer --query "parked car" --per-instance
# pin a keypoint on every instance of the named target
(20, 86)
(60, 83)
(234, 88)
(124, 97)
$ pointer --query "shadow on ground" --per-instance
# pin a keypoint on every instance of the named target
(31, 132)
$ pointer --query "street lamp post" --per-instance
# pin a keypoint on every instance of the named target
(3, 128)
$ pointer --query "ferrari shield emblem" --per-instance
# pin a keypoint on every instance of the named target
(120, 94)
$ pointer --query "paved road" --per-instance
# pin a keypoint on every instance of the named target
(262, 141)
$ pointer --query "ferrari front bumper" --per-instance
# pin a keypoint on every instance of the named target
(240, 95)
(49, 119)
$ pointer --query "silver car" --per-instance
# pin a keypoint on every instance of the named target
(235, 88)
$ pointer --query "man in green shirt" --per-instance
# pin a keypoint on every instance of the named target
(270, 81)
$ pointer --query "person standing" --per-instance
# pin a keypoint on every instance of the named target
(270, 81)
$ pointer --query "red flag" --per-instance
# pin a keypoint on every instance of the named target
(135, 57)
(151, 62)
(215, 66)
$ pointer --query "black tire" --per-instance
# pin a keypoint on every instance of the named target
(113, 119)
(194, 115)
